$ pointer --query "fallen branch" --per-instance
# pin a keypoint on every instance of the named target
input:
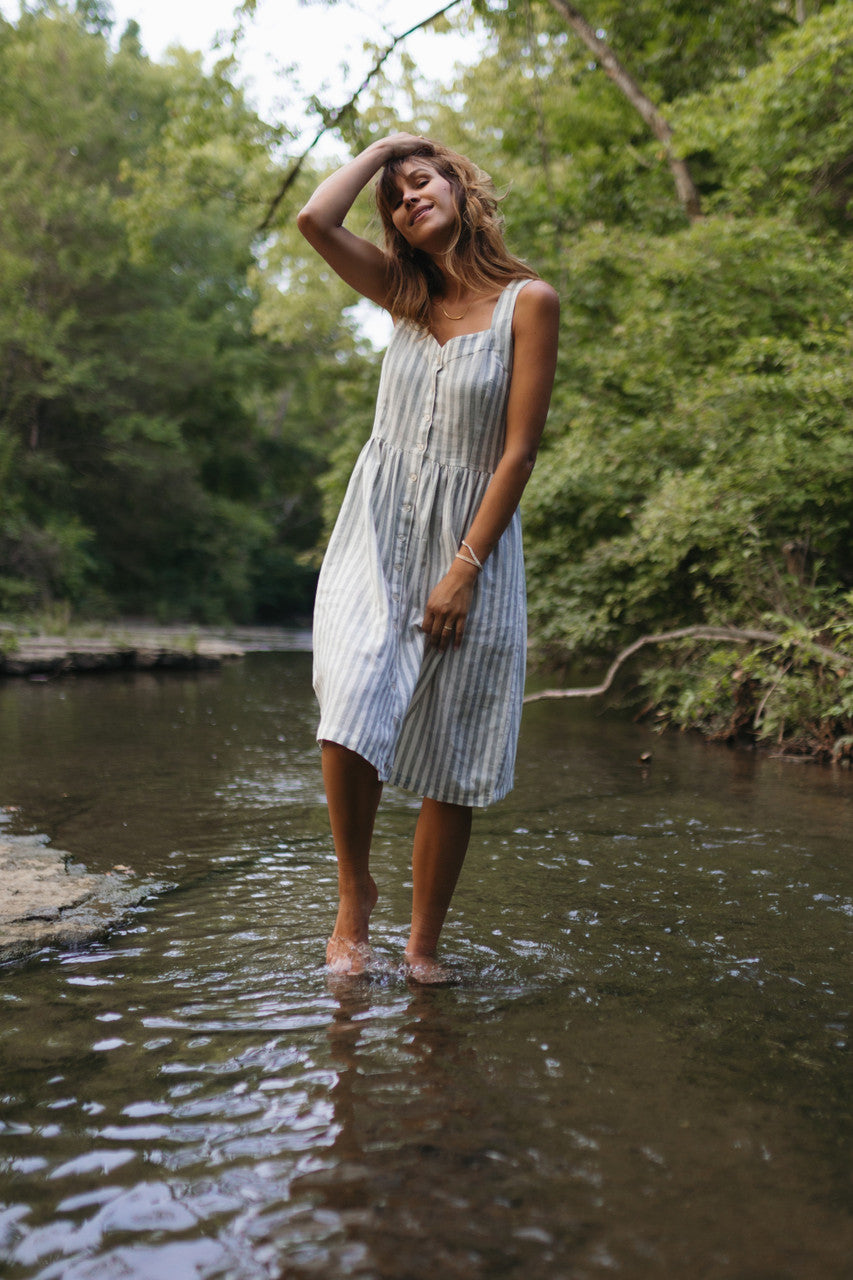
(335, 117)
(738, 635)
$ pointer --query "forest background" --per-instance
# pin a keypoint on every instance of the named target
(183, 388)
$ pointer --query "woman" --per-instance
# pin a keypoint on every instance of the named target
(420, 626)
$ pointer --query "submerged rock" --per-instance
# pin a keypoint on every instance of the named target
(48, 900)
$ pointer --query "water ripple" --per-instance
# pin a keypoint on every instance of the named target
(641, 1070)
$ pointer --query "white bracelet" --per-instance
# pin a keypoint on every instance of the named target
(476, 559)
(468, 560)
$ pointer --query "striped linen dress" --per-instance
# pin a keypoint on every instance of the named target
(442, 725)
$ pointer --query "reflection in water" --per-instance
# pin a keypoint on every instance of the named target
(643, 1072)
(391, 1180)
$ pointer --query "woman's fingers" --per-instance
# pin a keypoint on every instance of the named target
(443, 629)
(445, 636)
(438, 630)
(434, 626)
(404, 143)
(458, 632)
(446, 612)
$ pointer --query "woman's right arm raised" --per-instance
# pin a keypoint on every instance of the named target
(357, 261)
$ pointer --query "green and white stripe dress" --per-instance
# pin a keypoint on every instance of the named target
(442, 725)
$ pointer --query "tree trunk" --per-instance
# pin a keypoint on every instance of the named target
(684, 185)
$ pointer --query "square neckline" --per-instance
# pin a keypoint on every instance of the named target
(473, 333)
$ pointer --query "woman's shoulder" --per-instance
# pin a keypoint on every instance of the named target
(534, 291)
(536, 302)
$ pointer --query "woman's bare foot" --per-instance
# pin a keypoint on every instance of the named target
(348, 950)
(426, 971)
(347, 958)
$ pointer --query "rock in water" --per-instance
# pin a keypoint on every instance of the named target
(48, 900)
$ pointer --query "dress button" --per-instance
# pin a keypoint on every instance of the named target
(398, 566)
(413, 477)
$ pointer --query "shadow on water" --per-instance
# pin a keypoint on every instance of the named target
(643, 1070)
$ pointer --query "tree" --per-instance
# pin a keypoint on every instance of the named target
(146, 464)
(625, 82)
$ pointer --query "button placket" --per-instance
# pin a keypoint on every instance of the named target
(408, 507)
(428, 417)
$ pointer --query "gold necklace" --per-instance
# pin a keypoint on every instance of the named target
(450, 317)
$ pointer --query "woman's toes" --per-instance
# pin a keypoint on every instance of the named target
(426, 971)
(346, 957)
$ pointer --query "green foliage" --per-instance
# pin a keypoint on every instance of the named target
(780, 135)
(149, 460)
(672, 48)
(709, 428)
(539, 111)
(698, 463)
(790, 694)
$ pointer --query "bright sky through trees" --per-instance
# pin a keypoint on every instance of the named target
(325, 45)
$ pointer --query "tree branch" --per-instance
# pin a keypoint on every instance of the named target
(738, 635)
(684, 185)
(335, 117)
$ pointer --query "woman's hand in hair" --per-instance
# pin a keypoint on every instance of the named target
(356, 260)
(402, 144)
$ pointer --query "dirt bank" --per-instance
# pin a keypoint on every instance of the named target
(62, 655)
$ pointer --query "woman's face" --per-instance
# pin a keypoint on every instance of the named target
(424, 209)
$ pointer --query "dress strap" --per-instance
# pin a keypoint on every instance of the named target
(502, 319)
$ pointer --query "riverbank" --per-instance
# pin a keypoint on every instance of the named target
(786, 693)
(141, 650)
(48, 900)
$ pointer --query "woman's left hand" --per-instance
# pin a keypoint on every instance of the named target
(448, 606)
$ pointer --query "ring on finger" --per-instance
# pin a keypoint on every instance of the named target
(443, 629)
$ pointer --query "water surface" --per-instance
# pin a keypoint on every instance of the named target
(642, 1072)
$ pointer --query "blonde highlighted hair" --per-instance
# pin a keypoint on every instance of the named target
(477, 256)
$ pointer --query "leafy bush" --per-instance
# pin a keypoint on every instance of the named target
(795, 693)
(696, 434)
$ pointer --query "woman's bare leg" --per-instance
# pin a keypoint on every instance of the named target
(353, 791)
(441, 842)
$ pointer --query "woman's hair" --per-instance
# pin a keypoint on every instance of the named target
(477, 256)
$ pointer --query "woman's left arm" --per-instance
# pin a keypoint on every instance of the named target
(535, 329)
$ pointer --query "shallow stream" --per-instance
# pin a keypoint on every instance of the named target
(643, 1070)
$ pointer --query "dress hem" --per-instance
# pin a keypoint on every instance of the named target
(385, 775)
(446, 798)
